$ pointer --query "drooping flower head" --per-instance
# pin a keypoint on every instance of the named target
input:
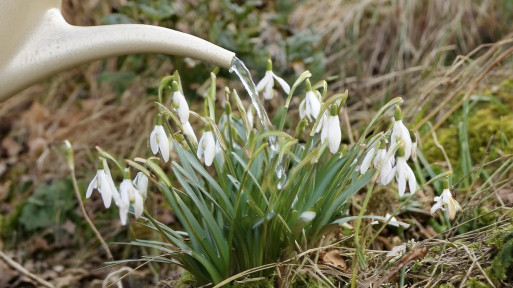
(310, 106)
(446, 202)
(180, 104)
(207, 147)
(331, 130)
(403, 173)
(159, 140)
(267, 83)
(400, 132)
(129, 195)
(101, 183)
(141, 183)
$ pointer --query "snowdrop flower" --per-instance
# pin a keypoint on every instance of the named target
(129, 195)
(331, 130)
(393, 222)
(400, 132)
(402, 173)
(114, 191)
(310, 106)
(189, 131)
(207, 147)
(385, 163)
(267, 83)
(180, 104)
(141, 183)
(368, 159)
(100, 182)
(159, 140)
(445, 199)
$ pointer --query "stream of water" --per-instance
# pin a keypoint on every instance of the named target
(245, 77)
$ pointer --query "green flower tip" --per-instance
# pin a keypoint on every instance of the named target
(400, 151)
(100, 163)
(383, 144)
(308, 85)
(269, 65)
(175, 87)
(208, 128)
(158, 120)
(334, 110)
(126, 173)
(397, 114)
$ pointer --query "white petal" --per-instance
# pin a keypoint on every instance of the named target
(435, 207)
(182, 107)
(401, 178)
(267, 78)
(367, 160)
(302, 109)
(210, 148)
(112, 186)
(335, 135)
(313, 105)
(283, 84)
(268, 91)
(412, 182)
(104, 188)
(153, 140)
(189, 131)
(390, 175)
(201, 149)
(325, 129)
(124, 205)
(138, 205)
(141, 182)
(386, 173)
(92, 186)
(163, 142)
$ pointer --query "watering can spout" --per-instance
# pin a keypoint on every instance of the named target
(52, 45)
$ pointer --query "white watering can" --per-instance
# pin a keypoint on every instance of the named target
(37, 42)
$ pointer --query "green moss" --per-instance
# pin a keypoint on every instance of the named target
(448, 138)
(446, 285)
(187, 280)
(258, 283)
(474, 283)
(382, 201)
(487, 119)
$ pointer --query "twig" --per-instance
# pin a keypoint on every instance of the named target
(24, 271)
(71, 166)
(471, 255)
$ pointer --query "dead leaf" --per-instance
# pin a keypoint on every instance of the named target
(12, 147)
(333, 257)
(7, 274)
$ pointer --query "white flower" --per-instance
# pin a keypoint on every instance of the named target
(403, 174)
(189, 131)
(101, 183)
(141, 183)
(112, 186)
(128, 191)
(124, 205)
(367, 160)
(207, 147)
(393, 222)
(159, 141)
(310, 106)
(445, 199)
(307, 216)
(267, 83)
(331, 131)
(386, 165)
(180, 104)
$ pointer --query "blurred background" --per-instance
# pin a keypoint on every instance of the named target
(436, 54)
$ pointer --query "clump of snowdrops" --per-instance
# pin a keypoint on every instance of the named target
(248, 196)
